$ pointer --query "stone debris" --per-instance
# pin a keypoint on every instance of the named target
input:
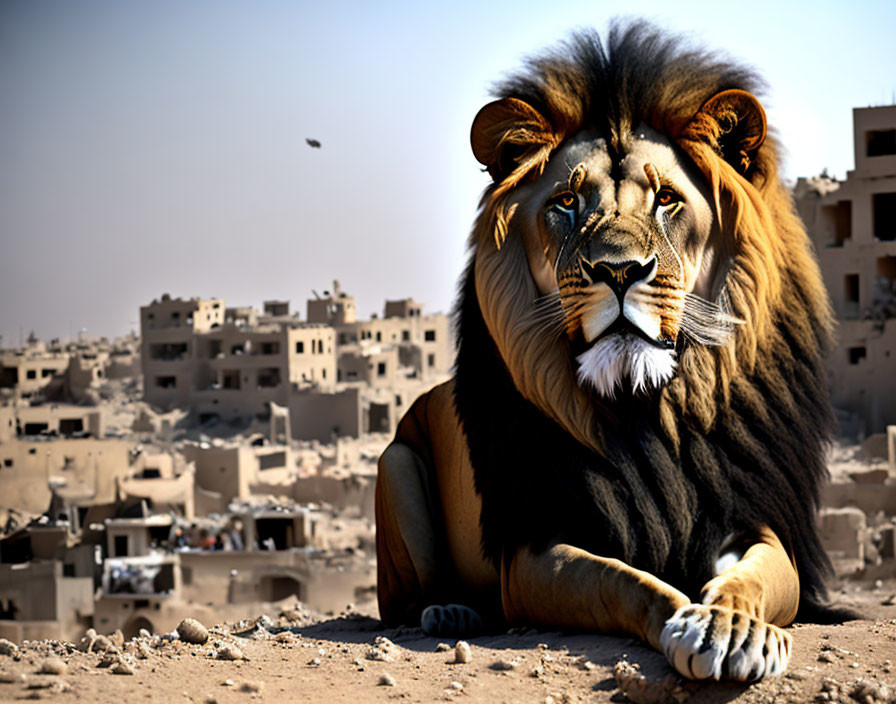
(462, 652)
(228, 651)
(122, 668)
(583, 663)
(384, 650)
(456, 686)
(869, 692)
(8, 648)
(504, 665)
(386, 680)
(252, 687)
(442, 648)
(191, 631)
(537, 671)
(52, 666)
(826, 657)
(648, 690)
(101, 644)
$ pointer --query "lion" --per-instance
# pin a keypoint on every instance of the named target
(633, 440)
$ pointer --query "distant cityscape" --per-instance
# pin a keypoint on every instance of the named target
(226, 456)
(224, 460)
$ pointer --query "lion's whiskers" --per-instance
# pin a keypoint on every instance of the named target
(706, 322)
(547, 313)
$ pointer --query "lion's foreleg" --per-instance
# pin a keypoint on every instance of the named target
(764, 583)
(405, 539)
(734, 633)
(567, 586)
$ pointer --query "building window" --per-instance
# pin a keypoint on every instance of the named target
(342, 338)
(268, 378)
(46, 372)
(166, 382)
(881, 142)
(31, 374)
(7, 462)
(270, 348)
(120, 546)
(431, 360)
(398, 400)
(837, 221)
(884, 214)
(379, 336)
(405, 335)
(300, 348)
(429, 336)
(381, 369)
(856, 354)
(851, 296)
(323, 373)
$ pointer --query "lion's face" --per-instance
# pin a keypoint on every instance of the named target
(624, 239)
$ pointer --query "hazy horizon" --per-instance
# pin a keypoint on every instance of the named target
(159, 147)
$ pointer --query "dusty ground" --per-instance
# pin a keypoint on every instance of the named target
(301, 657)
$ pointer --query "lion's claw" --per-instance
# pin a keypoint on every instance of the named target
(714, 642)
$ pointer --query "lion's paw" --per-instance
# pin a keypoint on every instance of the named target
(455, 620)
(703, 642)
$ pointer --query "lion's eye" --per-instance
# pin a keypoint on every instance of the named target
(666, 197)
(566, 200)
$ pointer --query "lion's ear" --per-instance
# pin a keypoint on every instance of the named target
(733, 122)
(506, 131)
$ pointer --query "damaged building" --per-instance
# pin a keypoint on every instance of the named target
(335, 375)
(853, 226)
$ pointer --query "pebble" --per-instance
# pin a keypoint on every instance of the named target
(504, 665)
(145, 634)
(442, 648)
(191, 631)
(227, 683)
(585, 664)
(52, 666)
(386, 680)
(101, 644)
(462, 652)
(252, 687)
(643, 690)
(456, 686)
(826, 657)
(122, 668)
(8, 647)
(383, 650)
(228, 651)
(538, 671)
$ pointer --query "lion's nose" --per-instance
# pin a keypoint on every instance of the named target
(620, 276)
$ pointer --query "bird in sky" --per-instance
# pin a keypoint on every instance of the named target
(313, 143)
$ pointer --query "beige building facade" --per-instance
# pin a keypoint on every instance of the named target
(853, 226)
(335, 374)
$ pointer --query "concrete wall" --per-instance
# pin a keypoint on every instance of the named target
(316, 416)
(89, 467)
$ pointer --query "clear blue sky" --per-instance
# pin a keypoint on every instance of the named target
(159, 146)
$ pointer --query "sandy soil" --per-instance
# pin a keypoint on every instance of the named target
(303, 657)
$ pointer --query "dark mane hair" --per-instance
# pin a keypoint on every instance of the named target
(736, 440)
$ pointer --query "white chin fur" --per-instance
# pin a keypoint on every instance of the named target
(616, 357)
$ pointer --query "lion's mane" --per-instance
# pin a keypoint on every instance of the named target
(736, 440)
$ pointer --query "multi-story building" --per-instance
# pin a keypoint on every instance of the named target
(334, 371)
(853, 226)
